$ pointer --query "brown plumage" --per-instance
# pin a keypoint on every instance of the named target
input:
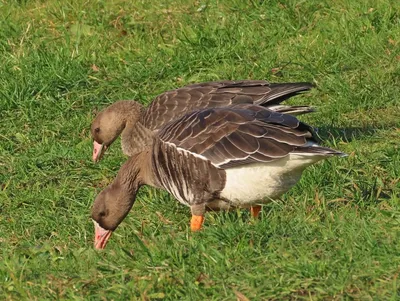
(138, 125)
(219, 158)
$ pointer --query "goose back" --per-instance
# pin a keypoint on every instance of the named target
(239, 134)
(176, 103)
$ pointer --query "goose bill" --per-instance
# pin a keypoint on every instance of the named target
(101, 236)
(98, 151)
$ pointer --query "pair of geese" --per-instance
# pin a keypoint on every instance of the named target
(215, 145)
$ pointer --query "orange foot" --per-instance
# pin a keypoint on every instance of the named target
(196, 222)
(255, 211)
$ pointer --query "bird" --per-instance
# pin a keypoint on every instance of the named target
(137, 124)
(238, 156)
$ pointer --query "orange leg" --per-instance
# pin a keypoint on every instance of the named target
(196, 222)
(255, 211)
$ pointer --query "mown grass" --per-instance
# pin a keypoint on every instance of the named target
(335, 236)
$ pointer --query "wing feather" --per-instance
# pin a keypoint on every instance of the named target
(238, 134)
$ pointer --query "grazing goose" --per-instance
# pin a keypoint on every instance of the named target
(138, 124)
(219, 158)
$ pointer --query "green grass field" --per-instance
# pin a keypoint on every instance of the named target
(335, 236)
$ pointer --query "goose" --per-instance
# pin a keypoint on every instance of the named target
(138, 124)
(239, 156)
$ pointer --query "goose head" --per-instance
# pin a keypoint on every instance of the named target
(113, 204)
(110, 123)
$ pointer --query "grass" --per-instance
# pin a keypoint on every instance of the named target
(335, 236)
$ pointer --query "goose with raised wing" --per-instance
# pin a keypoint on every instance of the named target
(137, 125)
(239, 156)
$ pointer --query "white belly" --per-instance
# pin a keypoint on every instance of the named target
(260, 182)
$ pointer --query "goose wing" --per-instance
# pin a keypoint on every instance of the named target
(240, 134)
(176, 103)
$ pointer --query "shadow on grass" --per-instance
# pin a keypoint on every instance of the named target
(348, 134)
